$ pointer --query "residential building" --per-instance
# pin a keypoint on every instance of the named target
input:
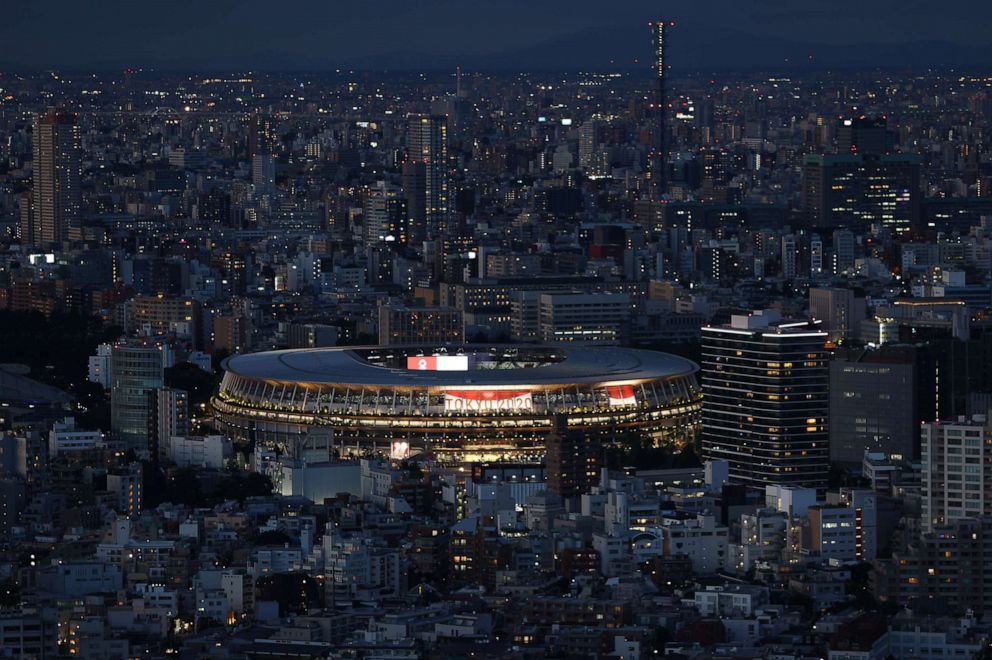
(956, 463)
(55, 205)
(765, 399)
(401, 325)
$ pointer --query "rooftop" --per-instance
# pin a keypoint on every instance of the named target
(564, 365)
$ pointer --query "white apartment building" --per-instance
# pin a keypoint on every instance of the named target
(956, 460)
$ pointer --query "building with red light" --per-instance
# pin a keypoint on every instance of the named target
(464, 404)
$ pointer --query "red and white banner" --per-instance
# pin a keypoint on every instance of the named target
(488, 400)
(399, 450)
(437, 363)
(621, 395)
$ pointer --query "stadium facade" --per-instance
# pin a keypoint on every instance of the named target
(470, 403)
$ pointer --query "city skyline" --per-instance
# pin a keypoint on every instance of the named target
(505, 331)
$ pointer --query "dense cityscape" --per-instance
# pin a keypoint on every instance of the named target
(622, 363)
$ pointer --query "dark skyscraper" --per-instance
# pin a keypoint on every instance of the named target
(857, 191)
(864, 135)
(56, 200)
(574, 459)
(261, 135)
(427, 142)
(873, 403)
(415, 191)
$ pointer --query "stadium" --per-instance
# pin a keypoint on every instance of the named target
(458, 405)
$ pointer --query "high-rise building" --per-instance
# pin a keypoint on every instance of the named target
(843, 251)
(843, 532)
(815, 257)
(232, 332)
(168, 417)
(13, 494)
(27, 227)
(873, 403)
(98, 370)
(650, 215)
(573, 459)
(405, 325)
(126, 485)
(945, 565)
(765, 399)
(55, 203)
(263, 173)
(134, 369)
(857, 191)
(311, 335)
(427, 142)
(840, 310)
(13, 456)
(414, 181)
(956, 462)
(160, 314)
(214, 209)
(589, 140)
(262, 135)
(385, 216)
(789, 256)
(863, 135)
(584, 318)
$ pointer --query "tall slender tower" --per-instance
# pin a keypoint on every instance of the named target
(414, 179)
(134, 369)
(57, 198)
(660, 32)
(427, 142)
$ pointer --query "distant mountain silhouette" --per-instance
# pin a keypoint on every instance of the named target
(694, 46)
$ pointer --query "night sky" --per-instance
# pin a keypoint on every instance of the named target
(321, 34)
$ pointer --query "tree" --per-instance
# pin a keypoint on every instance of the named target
(207, 622)
(273, 537)
(55, 348)
(197, 382)
(154, 486)
(296, 593)
(859, 586)
(218, 357)
(95, 400)
(985, 653)
(183, 487)
(240, 486)
(10, 594)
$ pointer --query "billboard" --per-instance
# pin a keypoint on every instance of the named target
(621, 395)
(488, 401)
(437, 363)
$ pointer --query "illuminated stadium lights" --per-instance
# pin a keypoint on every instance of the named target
(500, 406)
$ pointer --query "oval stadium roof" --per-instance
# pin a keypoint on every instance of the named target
(581, 365)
